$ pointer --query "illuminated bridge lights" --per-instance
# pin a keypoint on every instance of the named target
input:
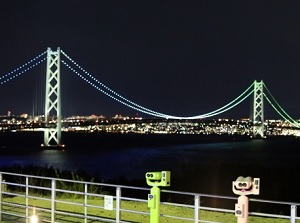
(93, 82)
(140, 108)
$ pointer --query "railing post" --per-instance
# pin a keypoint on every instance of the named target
(293, 213)
(1, 197)
(85, 202)
(26, 199)
(53, 191)
(118, 205)
(196, 210)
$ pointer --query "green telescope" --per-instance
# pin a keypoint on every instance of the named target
(156, 179)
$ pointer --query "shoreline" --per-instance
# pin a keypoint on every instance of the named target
(79, 139)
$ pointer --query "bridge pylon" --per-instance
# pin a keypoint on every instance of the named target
(258, 129)
(52, 130)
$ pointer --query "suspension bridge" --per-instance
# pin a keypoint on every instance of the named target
(52, 107)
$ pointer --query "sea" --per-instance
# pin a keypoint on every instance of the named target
(197, 164)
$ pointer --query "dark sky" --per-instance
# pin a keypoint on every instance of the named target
(177, 57)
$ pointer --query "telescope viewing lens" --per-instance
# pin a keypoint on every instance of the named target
(242, 184)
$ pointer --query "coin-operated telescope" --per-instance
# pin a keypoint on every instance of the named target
(244, 186)
(156, 179)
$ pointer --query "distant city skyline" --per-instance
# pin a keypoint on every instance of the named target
(124, 125)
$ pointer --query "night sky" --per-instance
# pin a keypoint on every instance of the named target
(177, 57)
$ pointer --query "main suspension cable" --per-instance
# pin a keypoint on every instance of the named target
(106, 93)
(293, 122)
(109, 92)
(23, 66)
(285, 115)
(10, 76)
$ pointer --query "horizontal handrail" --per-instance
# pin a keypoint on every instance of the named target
(29, 192)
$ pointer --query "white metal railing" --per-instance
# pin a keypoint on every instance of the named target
(52, 198)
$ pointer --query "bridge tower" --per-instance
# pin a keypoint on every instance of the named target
(52, 132)
(258, 110)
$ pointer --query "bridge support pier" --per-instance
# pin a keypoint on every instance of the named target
(52, 131)
(258, 129)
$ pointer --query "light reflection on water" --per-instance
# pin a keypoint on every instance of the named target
(134, 162)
